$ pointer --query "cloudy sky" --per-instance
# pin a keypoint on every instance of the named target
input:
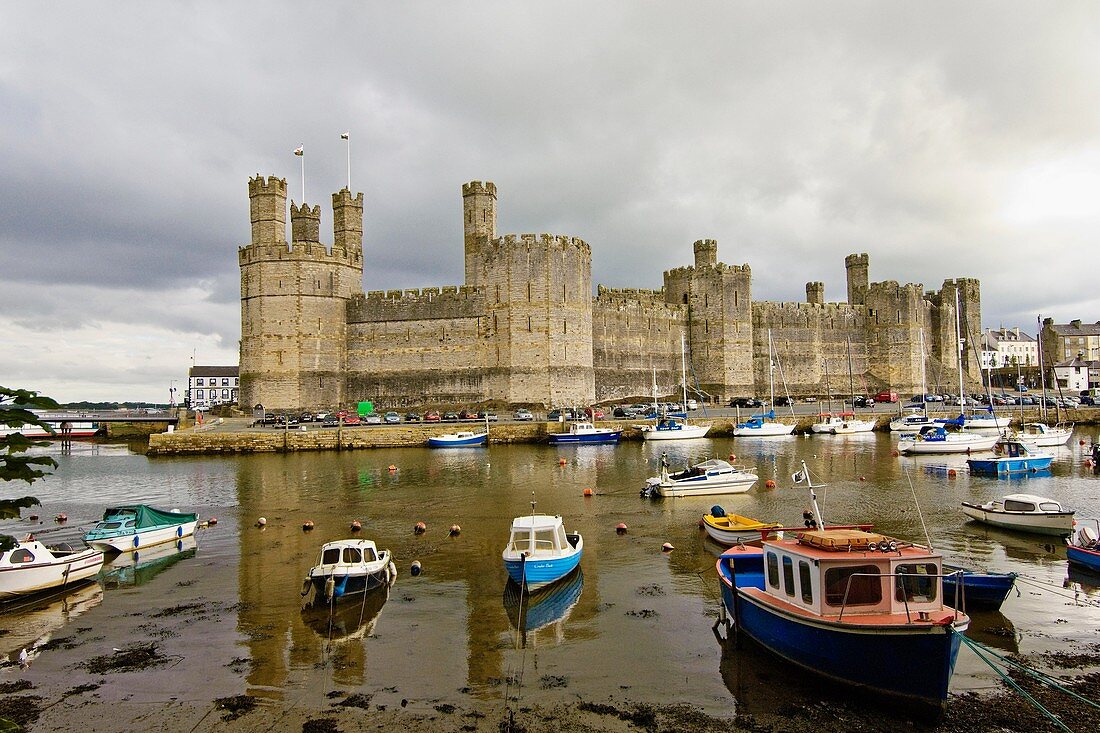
(944, 139)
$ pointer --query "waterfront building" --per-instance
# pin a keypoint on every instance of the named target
(526, 327)
(1077, 375)
(1064, 341)
(208, 386)
(1008, 347)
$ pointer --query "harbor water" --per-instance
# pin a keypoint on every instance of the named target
(635, 624)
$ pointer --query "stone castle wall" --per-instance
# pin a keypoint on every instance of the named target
(525, 328)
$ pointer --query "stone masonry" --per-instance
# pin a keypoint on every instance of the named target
(526, 329)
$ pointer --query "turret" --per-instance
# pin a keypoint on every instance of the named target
(857, 268)
(815, 293)
(305, 223)
(347, 221)
(479, 221)
(706, 253)
(267, 206)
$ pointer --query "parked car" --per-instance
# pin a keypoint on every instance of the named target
(306, 417)
(412, 417)
(861, 401)
(886, 395)
(268, 419)
(352, 420)
(624, 411)
(373, 419)
(450, 417)
(563, 413)
(431, 416)
(783, 401)
(745, 402)
(522, 414)
(693, 404)
(468, 415)
(391, 418)
(330, 421)
(594, 413)
(487, 416)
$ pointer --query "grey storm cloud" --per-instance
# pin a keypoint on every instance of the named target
(945, 140)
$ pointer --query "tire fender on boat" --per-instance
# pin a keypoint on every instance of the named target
(137, 541)
(179, 531)
(306, 585)
(330, 588)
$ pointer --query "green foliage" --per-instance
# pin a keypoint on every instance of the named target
(15, 412)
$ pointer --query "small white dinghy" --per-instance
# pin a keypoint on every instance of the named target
(1025, 512)
(349, 568)
(32, 567)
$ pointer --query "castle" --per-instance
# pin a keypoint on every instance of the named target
(526, 329)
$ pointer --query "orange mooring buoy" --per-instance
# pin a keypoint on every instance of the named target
(561, 461)
(950, 473)
(862, 478)
(212, 521)
(733, 456)
(667, 547)
(61, 518)
(620, 528)
(356, 525)
(391, 468)
(589, 492)
(769, 484)
(307, 525)
(455, 530)
(420, 528)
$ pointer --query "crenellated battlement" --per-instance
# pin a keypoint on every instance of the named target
(689, 270)
(606, 294)
(272, 186)
(891, 289)
(299, 252)
(449, 301)
(542, 241)
(477, 188)
(857, 260)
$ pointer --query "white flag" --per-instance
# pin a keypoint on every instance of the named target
(300, 150)
(345, 135)
(798, 477)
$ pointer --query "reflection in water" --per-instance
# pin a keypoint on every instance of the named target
(141, 566)
(530, 612)
(993, 629)
(1085, 582)
(31, 623)
(338, 622)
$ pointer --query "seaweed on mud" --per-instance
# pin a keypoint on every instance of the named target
(355, 700)
(650, 590)
(235, 706)
(446, 708)
(135, 657)
(8, 688)
(194, 608)
(644, 716)
(81, 689)
(22, 710)
(320, 725)
(549, 681)
(644, 613)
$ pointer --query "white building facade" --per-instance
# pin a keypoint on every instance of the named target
(1008, 347)
(208, 386)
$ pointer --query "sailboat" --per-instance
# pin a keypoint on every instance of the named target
(939, 438)
(764, 424)
(915, 419)
(826, 420)
(668, 427)
(852, 424)
(1042, 433)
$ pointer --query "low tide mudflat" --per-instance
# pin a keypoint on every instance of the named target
(213, 636)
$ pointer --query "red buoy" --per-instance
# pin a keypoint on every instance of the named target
(212, 521)
(561, 461)
(733, 456)
(455, 530)
(620, 528)
(420, 528)
(307, 525)
(769, 484)
(589, 492)
(356, 525)
(61, 518)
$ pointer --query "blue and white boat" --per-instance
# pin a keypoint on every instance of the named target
(349, 568)
(839, 601)
(540, 551)
(530, 612)
(138, 526)
(461, 439)
(970, 590)
(937, 439)
(1082, 548)
(585, 433)
(762, 425)
(1010, 456)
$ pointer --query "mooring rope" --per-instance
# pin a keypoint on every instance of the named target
(516, 646)
(981, 651)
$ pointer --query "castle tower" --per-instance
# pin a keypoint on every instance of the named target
(719, 314)
(305, 223)
(293, 351)
(857, 269)
(894, 317)
(479, 221)
(347, 221)
(538, 298)
(815, 293)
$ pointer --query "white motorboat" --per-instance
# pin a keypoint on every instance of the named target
(32, 567)
(670, 428)
(349, 568)
(764, 425)
(912, 421)
(1043, 435)
(713, 476)
(138, 526)
(540, 551)
(1026, 512)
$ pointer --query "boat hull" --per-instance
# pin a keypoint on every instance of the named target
(733, 536)
(538, 572)
(767, 430)
(1003, 466)
(1084, 557)
(350, 584)
(848, 654)
(700, 486)
(145, 538)
(850, 427)
(586, 438)
(976, 591)
(56, 572)
(684, 433)
(974, 444)
(1060, 523)
(457, 441)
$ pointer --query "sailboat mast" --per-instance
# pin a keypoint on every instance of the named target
(923, 384)
(1042, 371)
(958, 335)
(771, 374)
(683, 369)
(851, 380)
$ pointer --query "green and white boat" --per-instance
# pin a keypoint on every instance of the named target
(138, 526)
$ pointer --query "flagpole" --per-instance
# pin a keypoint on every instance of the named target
(347, 137)
(303, 157)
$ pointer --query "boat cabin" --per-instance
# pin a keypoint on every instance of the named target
(348, 552)
(1031, 504)
(539, 534)
(852, 573)
(712, 468)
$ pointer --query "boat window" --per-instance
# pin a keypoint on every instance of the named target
(805, 583)
(865, 588)
(544, 539)
(521, 540)
(1050, 506)
(109, 525)
(352, 555)
(330, 556)
(128, 523)
(562, 541)
(773, 570)
(21, 555)
(1014, 505)
(788, 576)
(370, 554)
(916, 583)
